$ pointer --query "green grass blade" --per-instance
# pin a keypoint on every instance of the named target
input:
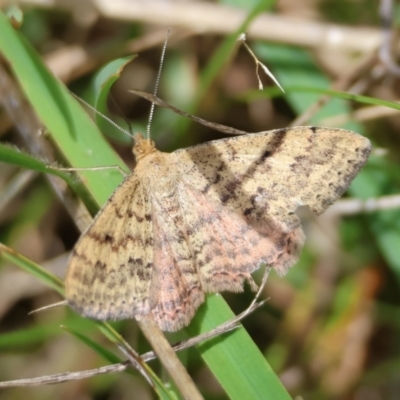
(12, 155)
(295, 89)
(34, 269)
(101, 86)
(101, 350)
(234, 358)
(345, 96)
(28, 336)
(67, 122)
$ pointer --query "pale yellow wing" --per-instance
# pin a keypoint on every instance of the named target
(202, 246)
(111, 267)
(225, 248)
(265, 177)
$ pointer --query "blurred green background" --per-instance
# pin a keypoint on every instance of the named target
(331, 326)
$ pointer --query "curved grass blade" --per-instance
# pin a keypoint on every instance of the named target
(11, 155)
(101, 86)
(34, 269)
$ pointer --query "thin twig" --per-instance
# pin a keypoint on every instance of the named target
(169, 358)
(358, 206)
(214, 18)
(15, 186)
(360, 115)
(213, 125)
(119, 367)
(385, 52)
(259, 64)
(221, 329)
(66, 376)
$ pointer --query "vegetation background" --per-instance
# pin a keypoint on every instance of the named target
(331, 326)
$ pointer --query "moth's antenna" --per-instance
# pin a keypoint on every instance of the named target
(54, 305)
(102, 115)
(121, 113)
(157, 83)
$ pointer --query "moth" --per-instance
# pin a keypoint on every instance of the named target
(202, 219)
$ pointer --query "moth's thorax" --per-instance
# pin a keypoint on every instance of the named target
(156, 173)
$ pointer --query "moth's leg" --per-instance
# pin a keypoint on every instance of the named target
(117, 167)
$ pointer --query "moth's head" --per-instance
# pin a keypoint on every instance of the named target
(142, 146)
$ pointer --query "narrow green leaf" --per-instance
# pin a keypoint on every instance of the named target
(27, 337)
(102, 84)
(234, 358)
(101, 350)
(75, 133)
(34, 269)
